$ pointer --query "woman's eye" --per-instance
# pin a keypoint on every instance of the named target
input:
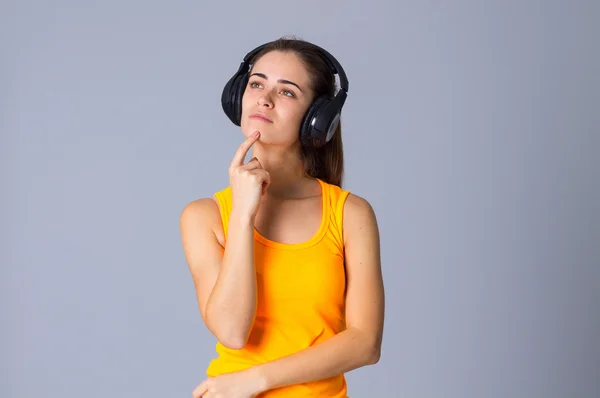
(287, 93)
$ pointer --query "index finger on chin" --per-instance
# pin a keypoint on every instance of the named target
(240, 154)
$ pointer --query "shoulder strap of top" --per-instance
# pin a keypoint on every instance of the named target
(223, 198)
(337, 199)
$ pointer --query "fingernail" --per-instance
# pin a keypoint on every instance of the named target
(256, 133)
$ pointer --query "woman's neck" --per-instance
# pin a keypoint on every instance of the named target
(286, 169)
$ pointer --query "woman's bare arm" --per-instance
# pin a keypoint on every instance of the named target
(224, 278)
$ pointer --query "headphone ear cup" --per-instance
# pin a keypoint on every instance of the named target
(231, 98)
(227, 98)
(238, 93)
(309, 137)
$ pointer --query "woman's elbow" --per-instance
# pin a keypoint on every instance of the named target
(373, 351)
(233, 342)
(374, 356)
(230, 337)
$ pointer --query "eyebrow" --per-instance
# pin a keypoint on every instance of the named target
(280, 80)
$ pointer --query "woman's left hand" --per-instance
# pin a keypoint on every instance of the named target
(242, 384)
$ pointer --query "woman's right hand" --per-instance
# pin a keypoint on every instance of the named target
(248, 181)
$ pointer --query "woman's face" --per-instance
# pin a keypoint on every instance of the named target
(276, 98)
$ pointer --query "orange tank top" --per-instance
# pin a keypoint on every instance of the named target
(301, 296)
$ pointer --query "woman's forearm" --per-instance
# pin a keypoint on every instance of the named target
(231, 307)
(341, 353)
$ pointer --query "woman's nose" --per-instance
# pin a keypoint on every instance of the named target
(264, 101)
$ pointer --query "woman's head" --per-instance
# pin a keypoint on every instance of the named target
(286, 77)
(278, 89)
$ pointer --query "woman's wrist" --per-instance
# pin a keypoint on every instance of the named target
(242, 218)
(258, 375)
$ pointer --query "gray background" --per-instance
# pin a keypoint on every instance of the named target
(472, 128)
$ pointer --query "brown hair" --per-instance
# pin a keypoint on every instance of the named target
(326, 162)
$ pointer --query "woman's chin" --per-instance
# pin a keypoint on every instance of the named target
(267, 136)
(264, 135)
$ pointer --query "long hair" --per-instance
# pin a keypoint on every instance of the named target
(326, 162)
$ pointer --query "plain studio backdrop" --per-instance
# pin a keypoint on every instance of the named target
(473, 128)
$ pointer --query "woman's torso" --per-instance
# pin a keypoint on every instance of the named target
(301, 284)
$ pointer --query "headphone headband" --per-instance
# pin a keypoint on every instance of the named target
(334, 66)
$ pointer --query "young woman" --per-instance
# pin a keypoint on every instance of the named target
(286, 263)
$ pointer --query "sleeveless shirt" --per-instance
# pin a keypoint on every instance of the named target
(300, 297)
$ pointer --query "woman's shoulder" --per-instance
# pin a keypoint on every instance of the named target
(206, 205)
(207, 211)
(203, 209)
(357, 202)
(352, 202)
(353, 208)
(358, 219)
(203, 212)
(357, 205)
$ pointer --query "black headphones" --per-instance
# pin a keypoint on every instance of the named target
(323, 115)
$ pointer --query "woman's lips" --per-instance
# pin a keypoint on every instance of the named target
(261, 118)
